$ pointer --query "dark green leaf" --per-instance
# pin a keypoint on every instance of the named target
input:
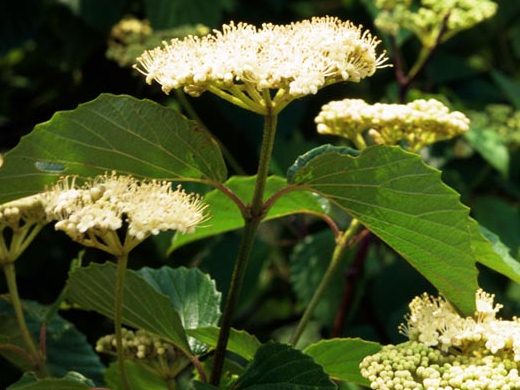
(491, 252)
(225, 216)
(71, 381)
(139, 377)
(99, 14)
(19, 21)
(309, 260)
(278, 366)
(240, 342)
(403, 201)
(144, 307)
(166, 13)
(67, 348)
(491, 147)
(192, 293)
(501, 217)
(121, 133)
(340, 358)
(510, 87)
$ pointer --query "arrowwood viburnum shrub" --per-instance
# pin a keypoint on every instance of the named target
(380, 190)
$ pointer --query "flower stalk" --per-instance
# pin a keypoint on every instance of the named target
(253, 218)
(36, 356)
(122, 262)
(342, 244)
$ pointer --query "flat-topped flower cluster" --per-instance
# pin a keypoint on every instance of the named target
(448, 351)
(137, 344)
(244, 61)
(92, 213)
(426, 20)
(418, 123)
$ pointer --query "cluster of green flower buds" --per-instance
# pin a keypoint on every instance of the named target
(502, 119)
(447, 351)
(413, 365)
(139, 345)
(417, 124)
(432, 16)
(22, 219)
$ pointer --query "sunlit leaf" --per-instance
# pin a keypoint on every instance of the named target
(144, 307)
(340, 358)
(225, 216)
(121, 133)
(240, 342)
(404, 202)
(192, 294)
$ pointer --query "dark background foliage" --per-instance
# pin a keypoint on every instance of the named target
(53, 57)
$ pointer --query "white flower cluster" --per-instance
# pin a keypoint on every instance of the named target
(415, 366)
(137, 345)
(20, 221)
(418, 123)
(242, 62)
(447, 351)
(434, 322)
(426, 20)
(92, 213)
(20, 212)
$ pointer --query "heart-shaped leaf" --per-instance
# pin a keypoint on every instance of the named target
(240, 342)
(340, 358)
(120, 133)
(225, 216)
(192, 294)
(144, 307)
(278, 366)
(404, 202)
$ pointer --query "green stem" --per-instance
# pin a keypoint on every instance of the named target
(256, 214)
(10, 277)
(423, 57)
(122, 261)
(342, 244)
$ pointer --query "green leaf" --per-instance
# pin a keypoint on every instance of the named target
(501, 217)
(121, 133)
(240, 342)
(309, 261)
(278, 366)
(491, 146)
(510, 87)
(340, 358)
(166, 13)
(225, 216)
(99, 14)
(67, 348)
(192, 294)
(144, 307)
(139, 377)
(71, 381)
(491, 252)
(404, 202)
